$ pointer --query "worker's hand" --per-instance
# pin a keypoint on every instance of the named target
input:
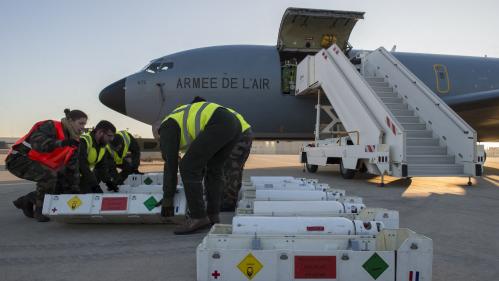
(69, 142)
(167, 207)
(111, 186)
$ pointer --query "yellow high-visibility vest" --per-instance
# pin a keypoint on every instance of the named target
(92, 156)
(192, 119)
(118, 159)
(244, 125)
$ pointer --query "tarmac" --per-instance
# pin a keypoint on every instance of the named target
(461, 220)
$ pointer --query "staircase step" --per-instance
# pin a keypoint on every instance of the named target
(425, 150)
(387, 95)
(430, 159)
(402, 112)
(383, 89)
(435, 170)
(414, 126)
(392, 100)
(374, 79)
(392, 106)
(378, 84)
(410, 119)
(418, 134)
(419, 141)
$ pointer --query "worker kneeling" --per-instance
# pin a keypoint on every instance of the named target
(47, 155)
(207, 133)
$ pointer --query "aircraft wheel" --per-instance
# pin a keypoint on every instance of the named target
(346, 173)
(311, 168)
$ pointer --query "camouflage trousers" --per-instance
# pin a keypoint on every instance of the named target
(23, 167)
(233, 169)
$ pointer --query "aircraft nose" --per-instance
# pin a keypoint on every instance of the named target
(113, 96)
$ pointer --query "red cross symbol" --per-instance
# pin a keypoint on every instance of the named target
(54, 210)
(215, 274)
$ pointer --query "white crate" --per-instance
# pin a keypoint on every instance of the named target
(391, 256)
(112, 207)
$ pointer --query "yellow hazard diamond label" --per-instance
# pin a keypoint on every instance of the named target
(250, 266)
(74, 202)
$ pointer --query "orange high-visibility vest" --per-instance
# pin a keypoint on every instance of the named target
(55, 159)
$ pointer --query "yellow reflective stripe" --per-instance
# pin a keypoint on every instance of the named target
(197, 121)
(126, 142)
(244, 125)
(184, 129)
(88, 140)
(92, 156)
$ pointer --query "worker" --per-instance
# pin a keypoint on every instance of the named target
(125, 155)
(46, 152)
(94, 163)
(234, 165)
(206, 133)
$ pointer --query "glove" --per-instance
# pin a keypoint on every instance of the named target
(111, 186)
(166, 207)
(69, 142)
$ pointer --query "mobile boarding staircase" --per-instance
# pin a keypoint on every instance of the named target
(394, 124)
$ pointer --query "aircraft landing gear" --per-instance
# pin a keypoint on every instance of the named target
(469, 181)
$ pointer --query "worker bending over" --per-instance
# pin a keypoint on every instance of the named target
(207, 133)
(94, 163)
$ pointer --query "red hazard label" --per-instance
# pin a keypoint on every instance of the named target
(315, 228)
(315, 267)
(114, 203)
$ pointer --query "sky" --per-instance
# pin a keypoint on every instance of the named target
(61, 54)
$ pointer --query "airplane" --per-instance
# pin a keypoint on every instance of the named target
(254, 79)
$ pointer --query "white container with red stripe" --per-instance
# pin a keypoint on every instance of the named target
(390, 218)
(303, 225)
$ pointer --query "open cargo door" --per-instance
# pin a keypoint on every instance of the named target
(309, 30)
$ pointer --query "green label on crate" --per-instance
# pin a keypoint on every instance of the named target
(375, 266)
(150, 203)
(148, 181)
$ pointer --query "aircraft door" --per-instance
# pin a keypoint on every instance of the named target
(442, 78)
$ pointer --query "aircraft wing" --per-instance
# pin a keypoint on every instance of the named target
(474, 100)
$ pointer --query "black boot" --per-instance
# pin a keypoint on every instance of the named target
(25, 205)
(39, 216)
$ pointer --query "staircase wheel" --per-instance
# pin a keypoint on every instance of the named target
(311, 168)
(346, 173)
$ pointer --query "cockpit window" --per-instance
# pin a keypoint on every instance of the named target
(156, 67)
